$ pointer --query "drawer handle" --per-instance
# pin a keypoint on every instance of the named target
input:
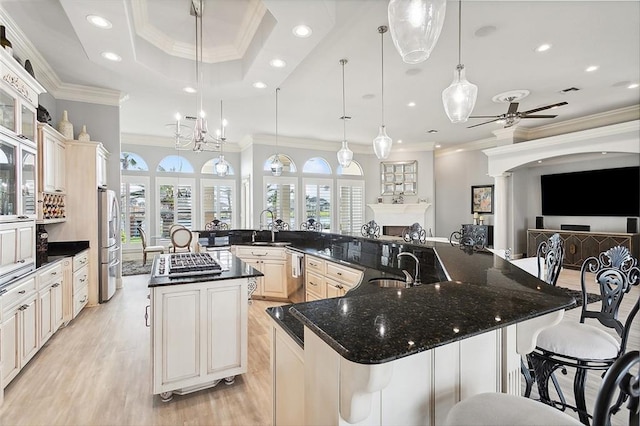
(54, 273)
(83, 279)
(339, 273)
(84, 299)
(313, 264)
(22, 291)
(258, 254)
(339, 286)
(312, 283)
(21, 261)
(55, 285)
(83, 260)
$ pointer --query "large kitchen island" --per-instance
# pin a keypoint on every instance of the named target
(198, 320)
(407, 355)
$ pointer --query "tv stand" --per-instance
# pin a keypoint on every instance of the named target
(579, 245)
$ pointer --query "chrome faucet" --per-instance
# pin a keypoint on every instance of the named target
(272, 217)
(416, 277)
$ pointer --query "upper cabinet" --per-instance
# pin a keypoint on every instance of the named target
(18, 103)
(52, 161)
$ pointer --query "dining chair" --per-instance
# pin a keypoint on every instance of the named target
(582, 346)
(501, 409)
(146, 248)
(181, 239)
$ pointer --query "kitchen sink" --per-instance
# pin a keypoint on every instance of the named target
(389, 282)
(269, 243)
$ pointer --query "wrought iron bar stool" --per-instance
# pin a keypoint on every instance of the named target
(620, 385)
(278, 225)
(584, 346)
(311, 225)
(216, 225)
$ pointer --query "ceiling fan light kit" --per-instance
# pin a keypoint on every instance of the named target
(415, 26)
(459, 98)
(345, 155)
(382, 143)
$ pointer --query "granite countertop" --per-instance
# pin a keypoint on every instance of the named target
(233, 267)
(375, 325)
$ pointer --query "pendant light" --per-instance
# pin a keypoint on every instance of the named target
(276, 164)
(460, 97)
(382, 142)
(345, 155)
(222, 166)
(415, 27)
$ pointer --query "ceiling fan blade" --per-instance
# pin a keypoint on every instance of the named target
(539, 116)
(485, 116)
(513, 108)
(486, 122)
(531, 111)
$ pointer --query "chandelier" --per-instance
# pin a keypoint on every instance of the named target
(382, 142)
(198, 138)
(345, 155)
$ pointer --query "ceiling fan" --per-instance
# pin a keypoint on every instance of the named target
(513, 116)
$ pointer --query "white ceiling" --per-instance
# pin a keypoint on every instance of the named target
(156, 38)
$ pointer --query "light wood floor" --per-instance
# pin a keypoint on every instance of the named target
(96, 372)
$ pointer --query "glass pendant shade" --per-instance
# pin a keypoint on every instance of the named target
(276, 166)
(460, 97)
(222, 167)
(345, 155)
(382, 144)
(415, 26)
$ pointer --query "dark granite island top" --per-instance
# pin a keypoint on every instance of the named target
(233, 267)
(484, 293)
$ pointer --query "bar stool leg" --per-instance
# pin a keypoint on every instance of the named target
(578, 391)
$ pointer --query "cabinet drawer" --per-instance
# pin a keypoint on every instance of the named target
(50, 275)
(18, 291)
(80, 299)
(310, 297)
(343, 274)
(80, 260)
(316, 285)
(314, 264)
(80, 279)
(276, 253)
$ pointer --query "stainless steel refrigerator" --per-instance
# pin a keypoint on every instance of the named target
(109, 243)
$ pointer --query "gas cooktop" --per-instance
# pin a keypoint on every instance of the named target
(175, 265)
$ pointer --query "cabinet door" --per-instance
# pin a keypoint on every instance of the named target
(45, 314)
(67, 289)
(10, 340)
(316, 285)
(60, 167)
(49, 163)
(274, 283)
(257, 264)
(334, 289)
(225, 329)
(176, 332)
(28, 182)
(30, 343)
(57, 310)
(8, 238)
(26, 249)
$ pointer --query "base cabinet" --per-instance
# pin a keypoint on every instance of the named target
(271, 261)
(19, 336)
(198, 335)
(50, 301)
(287, 366)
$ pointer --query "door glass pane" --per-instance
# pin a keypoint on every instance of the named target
(28, 120)
(176, 206)
(7, 113)
(133, 204)
(28, 183)
(8, 182)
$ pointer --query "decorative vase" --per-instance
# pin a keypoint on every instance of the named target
(6, 44)
(65, 127)
(83, 136)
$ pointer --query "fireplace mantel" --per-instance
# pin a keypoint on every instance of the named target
(399, 214)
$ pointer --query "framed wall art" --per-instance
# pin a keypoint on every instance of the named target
(482, 199)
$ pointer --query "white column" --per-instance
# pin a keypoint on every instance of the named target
(501, 219)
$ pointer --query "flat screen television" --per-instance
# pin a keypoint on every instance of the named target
(606, 192)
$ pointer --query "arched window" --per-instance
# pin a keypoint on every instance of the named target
(132, 161)
(317, 165)
(288, 166)
(176, 164)
(210, 167)
(354, 169)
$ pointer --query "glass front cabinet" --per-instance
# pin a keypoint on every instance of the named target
(18, 131)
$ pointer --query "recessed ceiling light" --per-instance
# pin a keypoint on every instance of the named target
(411, 104)
(432, 131)
(543, 47)
(368, 96)
(413, 71)
(459, 150)
(399, 140)
(99, 21)
(604, 152)
(277, 63)
(485, 31)
(302, 31)
(111, 56)
(259, 85)
(189, 89)
(591, 68)
(438, 146)
(539, 161)
(632, 86)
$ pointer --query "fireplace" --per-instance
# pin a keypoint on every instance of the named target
(394, 218)
(393, 230)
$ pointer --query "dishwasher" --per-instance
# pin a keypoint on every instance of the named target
(295, 276)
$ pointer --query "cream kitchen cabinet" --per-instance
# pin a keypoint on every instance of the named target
(80, 281)
(271, 261)
(17, 248)
(19, 331)
(49, 281)
(198, 335)
(52, 159)
(287, 375)
(325, 279)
